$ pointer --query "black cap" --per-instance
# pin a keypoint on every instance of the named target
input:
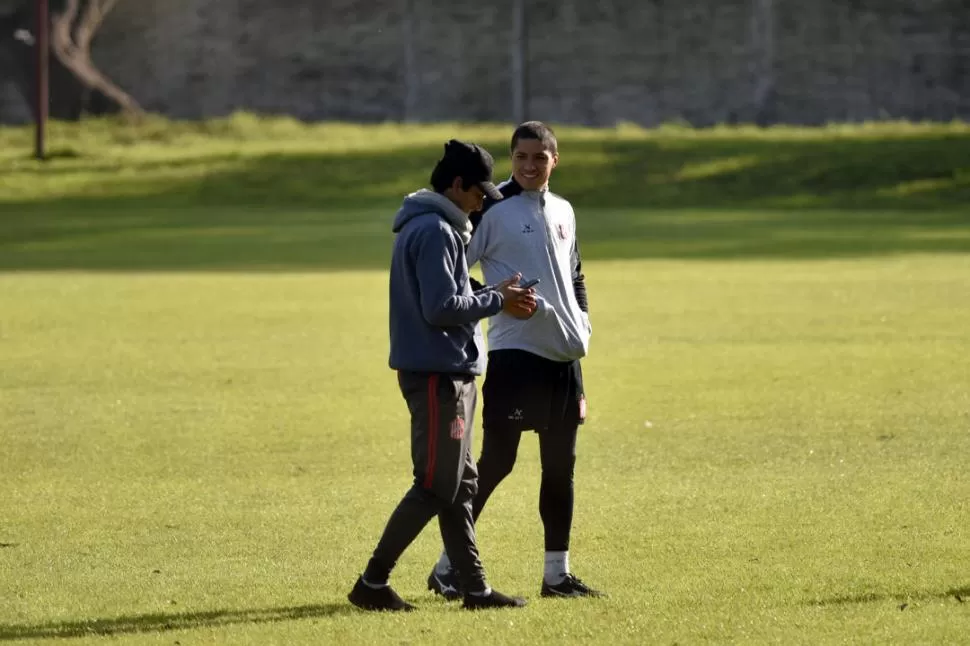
(472, 162)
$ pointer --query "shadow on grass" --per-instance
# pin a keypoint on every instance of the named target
(961, 595)
(658, 198)
(168, 622)
(918, 172)
(300, 239)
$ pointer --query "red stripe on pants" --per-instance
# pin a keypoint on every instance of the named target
(432, 429)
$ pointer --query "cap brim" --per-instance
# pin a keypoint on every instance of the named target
(489, 189)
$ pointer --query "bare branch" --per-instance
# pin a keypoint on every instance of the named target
(93, 17)
(75, 55)
(107, 6)
(84, 69)
(64, 20)
(61, 29)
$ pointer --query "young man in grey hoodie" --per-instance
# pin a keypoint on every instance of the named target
(437, 349)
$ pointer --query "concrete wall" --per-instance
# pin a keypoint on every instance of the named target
(590, 61)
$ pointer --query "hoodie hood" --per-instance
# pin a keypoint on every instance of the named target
(425, 201)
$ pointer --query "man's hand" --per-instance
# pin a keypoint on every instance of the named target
(517, 302)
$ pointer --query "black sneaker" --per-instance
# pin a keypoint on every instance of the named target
(494, 599)
(445, 584)
(367, 598)
(569, 587)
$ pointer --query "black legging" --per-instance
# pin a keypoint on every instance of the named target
(557, 455)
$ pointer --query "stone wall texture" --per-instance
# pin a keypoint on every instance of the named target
(594, 62)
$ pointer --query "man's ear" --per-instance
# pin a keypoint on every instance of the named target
(555, 160)
(457, 184)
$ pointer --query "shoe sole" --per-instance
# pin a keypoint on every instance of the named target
(493, 607)
(559, 595)
(435, 586)
(369, 608)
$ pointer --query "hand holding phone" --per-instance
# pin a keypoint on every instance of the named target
(518, 300)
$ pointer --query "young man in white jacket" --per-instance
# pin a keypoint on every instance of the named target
(533, 379)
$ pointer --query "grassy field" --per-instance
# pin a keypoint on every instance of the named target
(201, 439)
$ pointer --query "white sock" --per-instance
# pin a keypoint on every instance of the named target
(557, 567)
(443, 564)
(484, 593)
(374, 586)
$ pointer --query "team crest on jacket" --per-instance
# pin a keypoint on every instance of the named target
(562, 231)
(457, 430)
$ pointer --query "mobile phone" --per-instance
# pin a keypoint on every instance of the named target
(529, 283)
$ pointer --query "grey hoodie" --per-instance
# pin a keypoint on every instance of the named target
(434, 315)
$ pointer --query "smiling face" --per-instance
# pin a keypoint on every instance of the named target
(532, 164)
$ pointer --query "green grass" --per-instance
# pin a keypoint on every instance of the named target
(776, 452)
(274, 194)
(244, 159)
(202, 441)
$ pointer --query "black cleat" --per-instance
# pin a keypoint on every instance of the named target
(494, 599)
(446, 585)
(368, 598)
(569, 587)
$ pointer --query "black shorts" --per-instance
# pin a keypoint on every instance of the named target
(523, 391)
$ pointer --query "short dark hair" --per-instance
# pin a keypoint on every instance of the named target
(444, 175)
(536, 130)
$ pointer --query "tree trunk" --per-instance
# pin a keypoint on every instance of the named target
(72, 47)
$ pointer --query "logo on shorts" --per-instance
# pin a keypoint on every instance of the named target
(527, 228)
(457, 429)
(517, 415)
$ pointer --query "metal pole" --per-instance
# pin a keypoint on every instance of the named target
(520, 62)
(410, 62)
(41, 80)
(764, 34)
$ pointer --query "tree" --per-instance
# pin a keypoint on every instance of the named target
(71, 33)
(76, 83)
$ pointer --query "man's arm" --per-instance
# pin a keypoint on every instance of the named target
(579, 280)
(477, 287)
(476, 246)
(436, 255)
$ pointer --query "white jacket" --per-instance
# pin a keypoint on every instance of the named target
(533, 233)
